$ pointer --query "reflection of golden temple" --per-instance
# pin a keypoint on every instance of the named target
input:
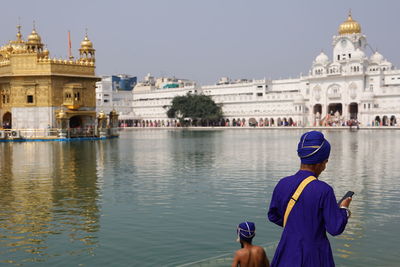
(33, 85)
(57, 198)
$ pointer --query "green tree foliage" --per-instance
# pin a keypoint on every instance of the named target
(201, 109)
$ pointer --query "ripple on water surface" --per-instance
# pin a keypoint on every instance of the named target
(165, 198)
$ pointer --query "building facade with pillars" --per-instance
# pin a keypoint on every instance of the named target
(34, 87)
(354, 85)
(350, 86)
(153, 96)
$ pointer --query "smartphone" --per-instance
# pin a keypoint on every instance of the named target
(348, 194)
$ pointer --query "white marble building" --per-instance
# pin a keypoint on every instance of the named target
(349, 86)
(109, 96)
(152, 97)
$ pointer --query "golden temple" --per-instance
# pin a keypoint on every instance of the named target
(34, 87)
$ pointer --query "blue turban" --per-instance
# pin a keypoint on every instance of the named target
(246, 231)
(313, 148)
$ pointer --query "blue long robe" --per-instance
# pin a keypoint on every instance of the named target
(304, 241)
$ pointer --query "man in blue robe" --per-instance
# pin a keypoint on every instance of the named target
(304, 241)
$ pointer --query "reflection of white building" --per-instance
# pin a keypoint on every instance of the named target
(351, 85)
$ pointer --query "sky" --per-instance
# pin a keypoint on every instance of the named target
(203, 40)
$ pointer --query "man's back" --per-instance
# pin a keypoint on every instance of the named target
(250, 256)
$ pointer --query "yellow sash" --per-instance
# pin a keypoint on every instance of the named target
(296, 196)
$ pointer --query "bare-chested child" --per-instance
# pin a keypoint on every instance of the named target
(249, 255)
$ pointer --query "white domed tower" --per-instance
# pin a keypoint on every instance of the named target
(348, 41)
(378, 61)
(320, 64)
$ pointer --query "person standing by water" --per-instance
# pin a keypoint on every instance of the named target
(306, 207)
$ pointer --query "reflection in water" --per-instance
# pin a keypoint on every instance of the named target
(363, 162)
(168, 197)
(39, 203)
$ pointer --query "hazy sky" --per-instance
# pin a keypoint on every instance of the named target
(204, 40)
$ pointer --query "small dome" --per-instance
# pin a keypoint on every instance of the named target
(349, 26)
(86, 43)
(46, 52)
(358, 54)
(34, 38)
(376, 58)
(322, 59)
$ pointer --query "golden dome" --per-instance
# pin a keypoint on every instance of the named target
(86, 43)
(46, 52)
(34, 38)
(349, 26)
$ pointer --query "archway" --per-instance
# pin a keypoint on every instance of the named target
(243, 122)
(385, 121)
(285, 122)
(393, 121)
(317, 108)
(378, 121)
(272, 122)
(266, 122)
(353, 111)
(7, 120)
(279, 122)
(75, 122)
(252, 122)
(233, 122)
(290, 122)
(261, 123)
(335, 107)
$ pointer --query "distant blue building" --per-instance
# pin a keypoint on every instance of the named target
(115, 92)
(123, 82)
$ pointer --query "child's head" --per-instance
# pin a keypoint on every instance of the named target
(246, 231)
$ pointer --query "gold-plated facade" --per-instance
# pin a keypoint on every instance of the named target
(350, 26)
(30, 78)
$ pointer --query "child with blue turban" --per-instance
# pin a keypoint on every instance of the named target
(306, 207)
(249, 254)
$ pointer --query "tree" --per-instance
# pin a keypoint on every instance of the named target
(200, 109)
